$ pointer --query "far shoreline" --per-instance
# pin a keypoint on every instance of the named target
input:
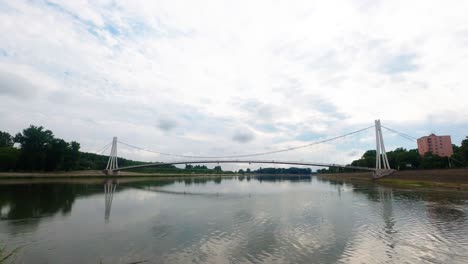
(99, 174)
(448, 179)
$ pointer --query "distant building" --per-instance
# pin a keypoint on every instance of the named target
(438, 145)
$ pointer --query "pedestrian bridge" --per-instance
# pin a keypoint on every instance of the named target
(382, 166)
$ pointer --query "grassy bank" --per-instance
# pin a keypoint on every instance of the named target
(450, 179)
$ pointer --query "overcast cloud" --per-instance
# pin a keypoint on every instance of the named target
(271, 74)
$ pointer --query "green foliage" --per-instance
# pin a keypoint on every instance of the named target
(9, 158)
(403, 159)
(431, 161)
(34, 141)
(8, 154)
(6, 140)
(463, 151)
(40, 150)
(367, 160)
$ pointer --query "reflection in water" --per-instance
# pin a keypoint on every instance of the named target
(386, 200)
(34, 201)
(109, 190)
(245, 219)
(289, 178)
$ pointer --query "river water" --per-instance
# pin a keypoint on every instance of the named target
(231, 220)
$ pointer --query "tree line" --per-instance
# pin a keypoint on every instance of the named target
(291, 170)
(40, 150)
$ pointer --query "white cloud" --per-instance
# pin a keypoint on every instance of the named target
(201, 70)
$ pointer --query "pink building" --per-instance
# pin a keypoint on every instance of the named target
(438, 145)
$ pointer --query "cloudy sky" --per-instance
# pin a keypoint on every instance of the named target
(234, 77)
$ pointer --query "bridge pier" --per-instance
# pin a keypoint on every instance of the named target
(112, 163)
(111, 172)
(382, 166)
(379, 173)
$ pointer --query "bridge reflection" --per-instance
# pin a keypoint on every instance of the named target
(109, 189)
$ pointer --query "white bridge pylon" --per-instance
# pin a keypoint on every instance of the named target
(112, 164)
(382, 166)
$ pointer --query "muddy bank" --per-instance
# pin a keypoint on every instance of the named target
(455, 179)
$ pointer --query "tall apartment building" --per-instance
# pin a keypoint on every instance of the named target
(438, 145)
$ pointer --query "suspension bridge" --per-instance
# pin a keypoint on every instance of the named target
(381, 169)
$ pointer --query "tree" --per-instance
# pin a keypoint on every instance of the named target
(402, 159)
(367, 160)
(8, 158)
(464, 150)
(6, 140)
(431, 161)
(72, 156)
(218, 169)
(457, 159)
(55, 154)
(34, 143)
(34, 138)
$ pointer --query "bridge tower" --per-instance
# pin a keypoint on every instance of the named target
(112, 162)
(382, 166)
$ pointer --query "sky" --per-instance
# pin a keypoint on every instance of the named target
(234, 77)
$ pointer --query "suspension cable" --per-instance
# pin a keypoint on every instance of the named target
(408, 137)
(248, 155)
(101, 150)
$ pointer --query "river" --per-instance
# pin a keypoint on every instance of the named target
(263, 219)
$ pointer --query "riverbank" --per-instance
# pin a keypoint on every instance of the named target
(96, 174)
(452, 179)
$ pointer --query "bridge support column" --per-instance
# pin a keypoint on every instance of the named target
(382, 172)
(382, 166)
(112, 164)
